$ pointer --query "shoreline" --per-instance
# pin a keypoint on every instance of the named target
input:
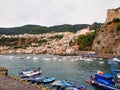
(81, 53)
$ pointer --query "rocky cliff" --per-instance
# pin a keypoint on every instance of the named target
(112, 13)
(108, 38)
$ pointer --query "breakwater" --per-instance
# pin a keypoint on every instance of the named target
(8, 82)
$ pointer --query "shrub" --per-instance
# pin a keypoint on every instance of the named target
(108, 23)
(115, 20)
(118, 27)
(112, 31)
(57, 37)
(85, 41)
(98, 42)
(42, 41)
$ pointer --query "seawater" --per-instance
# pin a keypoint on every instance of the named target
(70, 68)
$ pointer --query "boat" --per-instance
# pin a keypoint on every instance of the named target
(81, 87)
(73, 88)
(115, 65)
(26, 78)
(108, 81)
(37, 80)
(28, 72)
(64, 84)
(104, 81)
(44, 80)
(48, 80)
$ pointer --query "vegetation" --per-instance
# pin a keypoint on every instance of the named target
(85, 41)
(116, 20)
(42, 41)
(36, 29)
(57, 37)
(118, 27)
(8, 41)
(20, 42)
(108, 23)
(98, 42)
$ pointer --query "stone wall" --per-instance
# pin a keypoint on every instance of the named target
(112, 13)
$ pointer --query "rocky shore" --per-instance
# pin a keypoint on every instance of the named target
(37, 50)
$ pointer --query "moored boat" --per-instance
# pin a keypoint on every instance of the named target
(48, 80)
(64, 84)
(104, 81)
(28, 72)
(37, 80)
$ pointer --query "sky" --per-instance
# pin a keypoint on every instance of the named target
(54, 12)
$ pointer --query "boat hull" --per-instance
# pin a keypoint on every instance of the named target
(48, 80)
(102, 86)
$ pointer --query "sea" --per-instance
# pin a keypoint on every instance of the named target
(72, 68)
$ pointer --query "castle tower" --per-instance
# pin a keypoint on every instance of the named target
(112, 13)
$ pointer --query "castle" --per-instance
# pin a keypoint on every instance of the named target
(112, 13)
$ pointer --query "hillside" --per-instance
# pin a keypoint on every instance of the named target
(108, 38)
(36, 29)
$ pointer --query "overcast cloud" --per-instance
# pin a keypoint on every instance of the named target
(54, 12)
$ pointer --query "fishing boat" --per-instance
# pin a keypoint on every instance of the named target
(108, 81)
(104, 81)
(115, 65)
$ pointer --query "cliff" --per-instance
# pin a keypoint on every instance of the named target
(108, 39)
(112, 13)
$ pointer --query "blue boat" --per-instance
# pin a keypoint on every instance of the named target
(115, 65)
(64, 84)
(37, 80)
(73, 88)
(48, 80)
(104, 81)
(108, 81)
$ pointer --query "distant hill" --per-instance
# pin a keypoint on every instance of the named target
(36, 29)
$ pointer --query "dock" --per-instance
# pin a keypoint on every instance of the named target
(3, 70)
(8, 82)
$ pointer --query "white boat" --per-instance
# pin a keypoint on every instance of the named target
(30, 72)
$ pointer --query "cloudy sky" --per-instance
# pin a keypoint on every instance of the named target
(54, 12)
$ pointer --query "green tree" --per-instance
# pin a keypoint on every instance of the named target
(85, 41)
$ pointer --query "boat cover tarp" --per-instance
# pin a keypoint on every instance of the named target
(104, 78)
